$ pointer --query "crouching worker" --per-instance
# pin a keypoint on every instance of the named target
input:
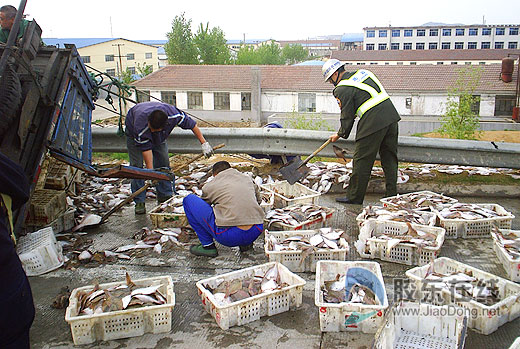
(236, 218)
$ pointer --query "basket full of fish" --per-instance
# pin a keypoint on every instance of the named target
(246, 295)
(391, 213)
(350, 296)
(473, 220)
(120, 309)
(169, 214)
(420, 200)
(267, 200)
(491, 300)
(399, 242)
(286, 194)
(298, 217)
(507, 247)
(300, 250)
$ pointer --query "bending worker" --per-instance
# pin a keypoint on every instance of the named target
(148, 126)
(236, 218)
(359, 93)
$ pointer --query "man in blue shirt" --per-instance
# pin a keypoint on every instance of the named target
(148, 126)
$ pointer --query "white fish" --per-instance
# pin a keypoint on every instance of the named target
(145, 290)
(126, 300)
(315, 240)
(391, 244)
(158, 248)
(89, 219)
(330, 243)
(269, 285)
(85, 255)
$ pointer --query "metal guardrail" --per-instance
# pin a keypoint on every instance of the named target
(304, 142)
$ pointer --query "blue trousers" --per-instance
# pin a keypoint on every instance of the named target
(160, 159)
(202, 219)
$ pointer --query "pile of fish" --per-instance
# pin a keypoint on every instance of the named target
(156, 239)
(391, 213)
(429, 170)
(295, 215)
(174, 205)
(230, 291)
(334, 292)
(469, 212)
(325, 238)
(466, 285)
(510, 242)
(99, 195)
(120, 297)
(420, 200)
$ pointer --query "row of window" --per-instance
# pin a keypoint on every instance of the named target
(221, 99)
(444, 46)
(129, 57)
(383, 33)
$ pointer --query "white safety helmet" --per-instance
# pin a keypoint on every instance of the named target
(330, 67)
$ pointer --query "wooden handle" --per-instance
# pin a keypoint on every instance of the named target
(196, 158)
(315, 152)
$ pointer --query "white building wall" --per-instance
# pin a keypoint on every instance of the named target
(235, 101)
(282, 102)
(487, 105)
(182, 99)
(155, 94)
(326, 103)
(208, 101)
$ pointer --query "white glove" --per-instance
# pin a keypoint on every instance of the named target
(207, 150)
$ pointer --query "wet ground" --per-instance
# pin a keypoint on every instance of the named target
(192, 327)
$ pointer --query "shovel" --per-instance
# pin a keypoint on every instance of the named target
(296, 169)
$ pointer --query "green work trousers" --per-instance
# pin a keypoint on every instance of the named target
(383, 141)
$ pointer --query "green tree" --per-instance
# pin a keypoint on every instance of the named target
(247, 56)
(127, 77)
(294, 53)
(460, 121)
(143, 70)
(211, 45)
(180, 47)
(270, 54)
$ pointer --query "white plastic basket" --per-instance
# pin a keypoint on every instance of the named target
(484, 319)
(168, 219)
(476, 228)
(403, 253)
(306, 225)
(268, 206)
(511, 265)
(335, 317)
(39, 252)
(252, 308)
(388, 200)
(429, 216)
(516, 344)
(88, 329)
(414, 325)
(293, 259)
(283, 190)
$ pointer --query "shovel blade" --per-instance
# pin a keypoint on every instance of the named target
(294, 171)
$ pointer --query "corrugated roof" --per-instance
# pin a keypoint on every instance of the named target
(84, 42)
(309, 78)
(422, 55)
(352, 37)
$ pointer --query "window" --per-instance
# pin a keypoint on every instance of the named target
(370, 47)
(459, 32)
(504, 105)
(86, 59)
(475, 106)
(473, 31)
(440, 63)
(499, 45)
(413, 63)
(512, 45)
(453, 63)
(131, 70)
(111, 72)
(109, 58)
(500, 31)
(407, 46)
(381, 47)
(221, 100)
(130, 56)
(434, 32)
(371, 33)
(472, 45)
(485, 44)
(446, 45)
(396, 33)
(408, 32)
(382, 33)
(143, 96)
(148, 55)
(394, 46)
(513, 31)
(421, 32)
(419, 46)
(446, 32)
(408, 102)
(459, 45)
(400, 63)
(194, 100)
(432, 46)
(246, 100)
(169, 97)
(306, 102)
(486, 31)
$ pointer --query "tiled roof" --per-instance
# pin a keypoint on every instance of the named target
(309, 78)
(324, 43)
(421, 55)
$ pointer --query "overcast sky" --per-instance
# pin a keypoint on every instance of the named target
(264, 19)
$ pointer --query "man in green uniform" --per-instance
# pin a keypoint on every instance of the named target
(7, 14)
(359, 93)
